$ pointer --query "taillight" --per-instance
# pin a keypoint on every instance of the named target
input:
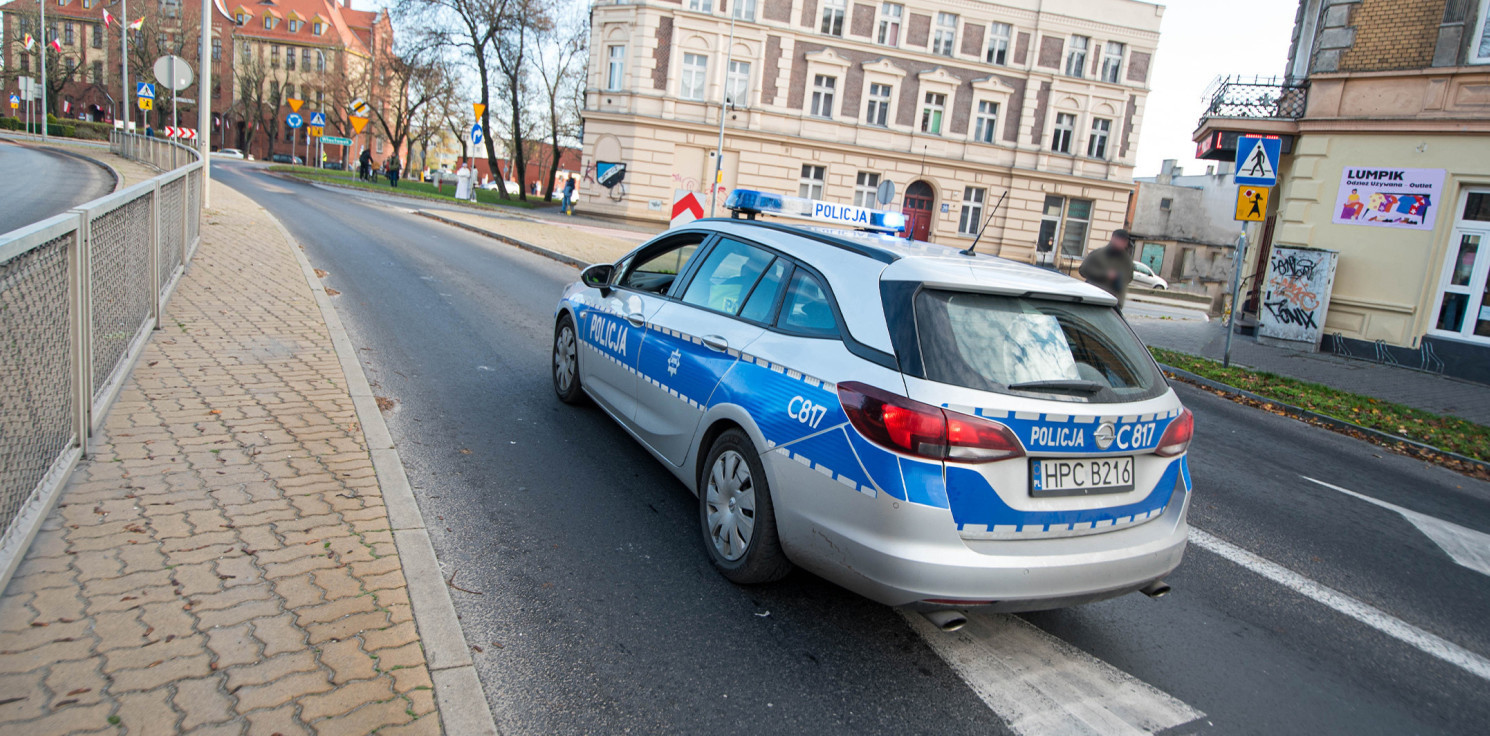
(923, 430)
(1177, 436)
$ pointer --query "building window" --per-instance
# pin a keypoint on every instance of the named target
(745, 10)
(615, 69)
(702, 6)
(171, 8)
(269, 22)
(890, 15)
(1096, 146)
(822, 95)
(931, 112)
(737, 84)
(695, 71)
(879, 105)
(1076, 56)
(380, 146)
(866, 190)
(217, 49)
(290, 59)
(1464, 288)
(988, 117)
(67, 33)
(273, 56)
(945, 40)
(320, 60)
(295, 25)
(318, 28)
(833, 17)
(1065, 127)
(96, 72)
(305, 59)
(1166, 203)
(320, 99)
(1072, 221)
(289, 91)
(1479, 44)
(811, 184)
(241, 19)
(25, 62)
(1112, 61)
(998, 43)
(972, 210)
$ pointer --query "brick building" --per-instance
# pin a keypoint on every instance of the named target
(1384, 115)
(953, 103)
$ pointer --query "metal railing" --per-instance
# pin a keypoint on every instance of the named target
(79, 295)
(1255, 97)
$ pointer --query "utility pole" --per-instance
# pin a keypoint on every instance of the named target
(1236, 285)
(124, 113)
(723, 108)
(43, 6)
(204, 101)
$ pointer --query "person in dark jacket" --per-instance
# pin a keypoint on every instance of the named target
(1111, 268)
(364, 165)
(393, 168)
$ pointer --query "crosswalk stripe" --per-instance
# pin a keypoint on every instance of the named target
(1039, 684)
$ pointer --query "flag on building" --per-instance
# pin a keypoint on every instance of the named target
(108, 19)
(66, 106)
(29, 42)
(56, 45)
(135, 26)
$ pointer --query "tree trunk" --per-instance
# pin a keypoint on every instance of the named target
(491, 148)
(519, 161)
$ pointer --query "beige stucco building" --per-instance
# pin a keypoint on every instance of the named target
(954, 102)
(1400, 88)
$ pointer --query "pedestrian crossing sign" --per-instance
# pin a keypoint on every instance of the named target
(1251, 203)
(318, 120)
(1257, 160)
(15, 101)
(145, 90)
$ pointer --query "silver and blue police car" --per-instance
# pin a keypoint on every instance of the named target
(926, 427)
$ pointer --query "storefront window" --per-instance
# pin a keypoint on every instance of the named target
(1464, 300)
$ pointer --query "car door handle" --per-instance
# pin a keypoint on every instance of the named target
(715, 342)
(637, 319)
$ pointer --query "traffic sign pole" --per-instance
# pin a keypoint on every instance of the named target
(1236, 286)
(204, 99)
(43, 7)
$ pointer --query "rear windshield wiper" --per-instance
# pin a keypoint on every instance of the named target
(1073, 385)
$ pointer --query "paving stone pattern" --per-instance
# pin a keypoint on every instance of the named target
(222, 563)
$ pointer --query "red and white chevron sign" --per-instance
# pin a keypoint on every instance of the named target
(189, 134)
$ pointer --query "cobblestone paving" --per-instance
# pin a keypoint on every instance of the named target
(222, 563)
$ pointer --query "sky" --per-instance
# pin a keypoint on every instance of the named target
(1200, 39)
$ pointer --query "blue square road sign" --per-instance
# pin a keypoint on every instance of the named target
(1257, 160)
(145, 89)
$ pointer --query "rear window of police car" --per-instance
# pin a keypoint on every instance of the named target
(1033, 347)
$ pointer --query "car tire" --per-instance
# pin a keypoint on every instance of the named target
(566, 362)
(736, 516)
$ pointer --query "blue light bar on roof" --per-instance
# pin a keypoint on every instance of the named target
(755, 202)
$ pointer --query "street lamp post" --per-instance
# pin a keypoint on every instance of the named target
(723, 108)
(204, 100)
(124, 113)
(43, 7)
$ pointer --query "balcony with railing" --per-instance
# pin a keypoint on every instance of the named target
(1255, 98)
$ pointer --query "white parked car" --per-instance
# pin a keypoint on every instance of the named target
(232, 153)
(927, 428)
(1145, 276)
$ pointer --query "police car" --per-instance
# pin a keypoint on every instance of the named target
(926, 427)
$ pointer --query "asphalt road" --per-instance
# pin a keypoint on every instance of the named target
(597, 611)
(37, 182)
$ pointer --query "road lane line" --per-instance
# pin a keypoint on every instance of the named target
(1365, 613)
(1466, 546)
(1039, 684)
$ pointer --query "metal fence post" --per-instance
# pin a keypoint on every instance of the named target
(185, 219)
(155, 247)
(80, 284)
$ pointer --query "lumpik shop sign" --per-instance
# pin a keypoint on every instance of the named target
(1388, 197)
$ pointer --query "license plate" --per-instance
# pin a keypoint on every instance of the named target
(1080, 477)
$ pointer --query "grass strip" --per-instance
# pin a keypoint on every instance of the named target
(1446, 433)
(406, 187)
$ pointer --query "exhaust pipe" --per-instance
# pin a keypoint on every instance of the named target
(1156, 589)
(946, 620)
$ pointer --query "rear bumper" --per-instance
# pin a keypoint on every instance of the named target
(902, 554)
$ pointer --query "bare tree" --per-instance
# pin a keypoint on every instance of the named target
(467, 28)
(561, 54)
(530, 19)
(62, 68)
(415, 79)
(261, 93)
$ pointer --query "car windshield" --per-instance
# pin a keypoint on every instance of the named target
(1030, 346)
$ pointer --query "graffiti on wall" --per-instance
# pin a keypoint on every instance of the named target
(1296, 293)
(700, 186)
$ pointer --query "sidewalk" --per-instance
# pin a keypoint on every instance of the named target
(222, 563)
(1417, 389)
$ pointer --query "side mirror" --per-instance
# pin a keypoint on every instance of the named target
(598, 276)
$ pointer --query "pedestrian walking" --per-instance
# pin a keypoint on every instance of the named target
(364, 165)
(568, 206)
(393, 168)
(1110, 268)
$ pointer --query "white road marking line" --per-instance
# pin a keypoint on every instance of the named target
(1365, 613)
(1039, 684)
(1468, 547)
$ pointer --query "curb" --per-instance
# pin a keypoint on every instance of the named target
(459, 696)
(1339, 425)
(118, 178)
(545, 252)
(477, 206)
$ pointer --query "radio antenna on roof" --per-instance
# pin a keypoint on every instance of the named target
(971, 248)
